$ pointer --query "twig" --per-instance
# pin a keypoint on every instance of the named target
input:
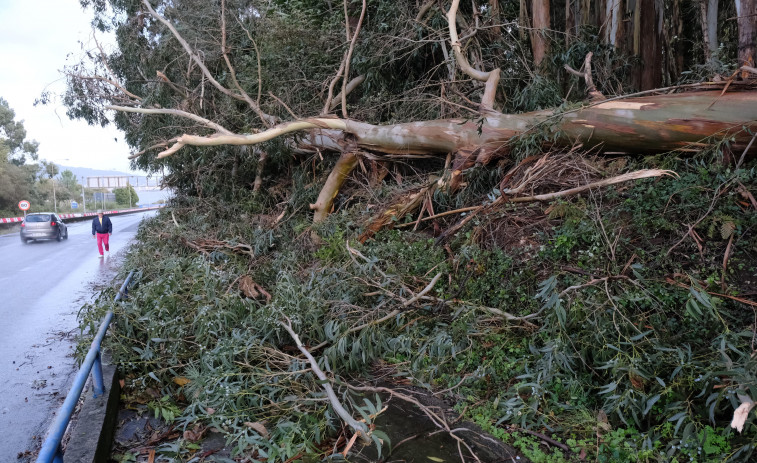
(590, 88)
(424, 291)
(291, 113)
(349, 56)
(691, 227)
(438, 393)
(541, 436)
(358, 427)
(733, 298)
(265, 118)
(725, 260)
(741, 159)
(437, 420)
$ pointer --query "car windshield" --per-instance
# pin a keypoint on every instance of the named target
(38, 218)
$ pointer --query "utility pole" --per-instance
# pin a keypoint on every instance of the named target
(128, 186)
(55, 201)
(83, 198)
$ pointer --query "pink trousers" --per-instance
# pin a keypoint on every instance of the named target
(102, 238)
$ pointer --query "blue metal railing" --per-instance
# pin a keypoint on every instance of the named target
(51, 450)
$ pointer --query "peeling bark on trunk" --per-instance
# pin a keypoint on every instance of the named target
(747, 23)
(539, 44)
(650, 51)
(649, 124)
(322, 207)
(708, 16)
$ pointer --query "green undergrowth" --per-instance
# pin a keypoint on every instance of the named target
(609, 328)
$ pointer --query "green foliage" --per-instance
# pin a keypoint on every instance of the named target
(126, 196)
(164, 408)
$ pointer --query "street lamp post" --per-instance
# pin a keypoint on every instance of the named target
(83, 198)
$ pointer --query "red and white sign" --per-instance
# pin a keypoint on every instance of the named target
(24, 205)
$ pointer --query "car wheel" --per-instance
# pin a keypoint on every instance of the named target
(59, 237)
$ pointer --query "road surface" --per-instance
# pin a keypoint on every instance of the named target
(42, 287)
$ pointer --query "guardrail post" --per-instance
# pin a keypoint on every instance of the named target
(97, 375)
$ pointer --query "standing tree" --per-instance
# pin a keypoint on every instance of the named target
(126, 196)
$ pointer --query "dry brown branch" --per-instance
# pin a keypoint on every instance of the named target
(639, 174)
(733, 298)
(252, 289)
(206, 246)
(725, 260)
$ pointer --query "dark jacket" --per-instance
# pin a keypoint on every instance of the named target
(106, 226)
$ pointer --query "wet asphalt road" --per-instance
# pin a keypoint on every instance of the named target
(42, 287)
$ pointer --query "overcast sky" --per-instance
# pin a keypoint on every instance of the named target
(37, 39)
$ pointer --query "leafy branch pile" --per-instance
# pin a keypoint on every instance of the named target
(619, 324)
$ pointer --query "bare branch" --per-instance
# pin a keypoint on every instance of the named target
(491, 78)
(349, 57)
(252, 139)
(173, 112)
(358, 427)
(162, 144)
(352, 85)
(594, 94)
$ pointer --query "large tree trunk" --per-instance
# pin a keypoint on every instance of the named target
(539, 42)
(651, 124)
(650, 51)
(708, 12)
(747, 22)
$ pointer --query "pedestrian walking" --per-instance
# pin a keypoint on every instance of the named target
(103, 228)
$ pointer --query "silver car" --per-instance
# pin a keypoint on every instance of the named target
(43, 226)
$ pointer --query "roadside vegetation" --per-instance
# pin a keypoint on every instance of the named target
(620, 323)
(24, 177)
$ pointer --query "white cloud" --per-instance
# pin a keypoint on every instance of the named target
(37, 39)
